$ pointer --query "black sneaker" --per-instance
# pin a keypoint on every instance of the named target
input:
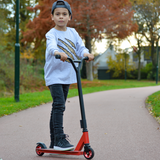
(62, 144)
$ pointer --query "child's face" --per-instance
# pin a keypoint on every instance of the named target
(61, 17)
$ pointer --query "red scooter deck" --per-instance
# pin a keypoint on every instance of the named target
(77, 151)
(41, 150)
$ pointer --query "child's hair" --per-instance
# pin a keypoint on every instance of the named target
(61, 4)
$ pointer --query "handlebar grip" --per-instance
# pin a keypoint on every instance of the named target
(86, 58)
(58, 56)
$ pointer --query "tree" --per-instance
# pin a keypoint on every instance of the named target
(147, 16)
(120, 64)
(9, 17)
(138, 50)
(91, 18)
(3, 27)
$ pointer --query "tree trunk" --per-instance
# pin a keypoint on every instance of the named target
(90, 64)
(139, 61)
(88, 45)
(153, 56)
(83, 71)
(139, 65)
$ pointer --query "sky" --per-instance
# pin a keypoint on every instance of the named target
(101, 46)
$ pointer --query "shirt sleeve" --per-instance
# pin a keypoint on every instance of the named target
(51, 43)
(80, 47)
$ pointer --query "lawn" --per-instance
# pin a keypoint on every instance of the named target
(29, 100)
(153, 102)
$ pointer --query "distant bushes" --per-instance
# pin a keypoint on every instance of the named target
(6, 72)
(146, 73)
(31, 74)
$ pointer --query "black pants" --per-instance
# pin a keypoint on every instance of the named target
(59, 94)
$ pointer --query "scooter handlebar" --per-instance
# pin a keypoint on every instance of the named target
(86, 58)
(59, 57)
(74, 61)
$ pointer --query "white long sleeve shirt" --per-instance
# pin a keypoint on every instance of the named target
(69, 41)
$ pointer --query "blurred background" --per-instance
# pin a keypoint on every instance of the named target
(123, 36)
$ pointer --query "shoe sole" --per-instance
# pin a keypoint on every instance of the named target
(63, 149)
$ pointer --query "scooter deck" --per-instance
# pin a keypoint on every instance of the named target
(74, 152)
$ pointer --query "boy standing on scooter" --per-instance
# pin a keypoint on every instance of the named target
(63, 41)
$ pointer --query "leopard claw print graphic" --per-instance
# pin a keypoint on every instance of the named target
(69, 48)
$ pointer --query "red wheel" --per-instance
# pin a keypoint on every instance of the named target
(88, 153)
(39, 146)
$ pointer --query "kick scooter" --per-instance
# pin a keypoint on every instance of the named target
(88, 152)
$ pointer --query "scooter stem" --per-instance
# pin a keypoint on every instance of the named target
(77, 70)
(83, 121)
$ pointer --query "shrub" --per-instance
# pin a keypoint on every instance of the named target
(31, 74)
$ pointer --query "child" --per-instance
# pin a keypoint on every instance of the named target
(59, 74)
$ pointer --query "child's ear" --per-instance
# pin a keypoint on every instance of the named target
(69, 17)
(52, 17)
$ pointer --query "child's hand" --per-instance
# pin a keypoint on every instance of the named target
(90, 56)
(62, 54)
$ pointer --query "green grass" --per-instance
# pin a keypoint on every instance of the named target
(29, 100)
(154, 103)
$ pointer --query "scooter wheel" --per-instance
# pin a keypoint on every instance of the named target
(39, 146)
(88, 153)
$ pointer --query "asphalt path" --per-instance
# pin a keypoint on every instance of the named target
(120, 128)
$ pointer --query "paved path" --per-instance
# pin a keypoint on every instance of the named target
(120, 128)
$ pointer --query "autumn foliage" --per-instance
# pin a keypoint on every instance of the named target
(91, 18)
